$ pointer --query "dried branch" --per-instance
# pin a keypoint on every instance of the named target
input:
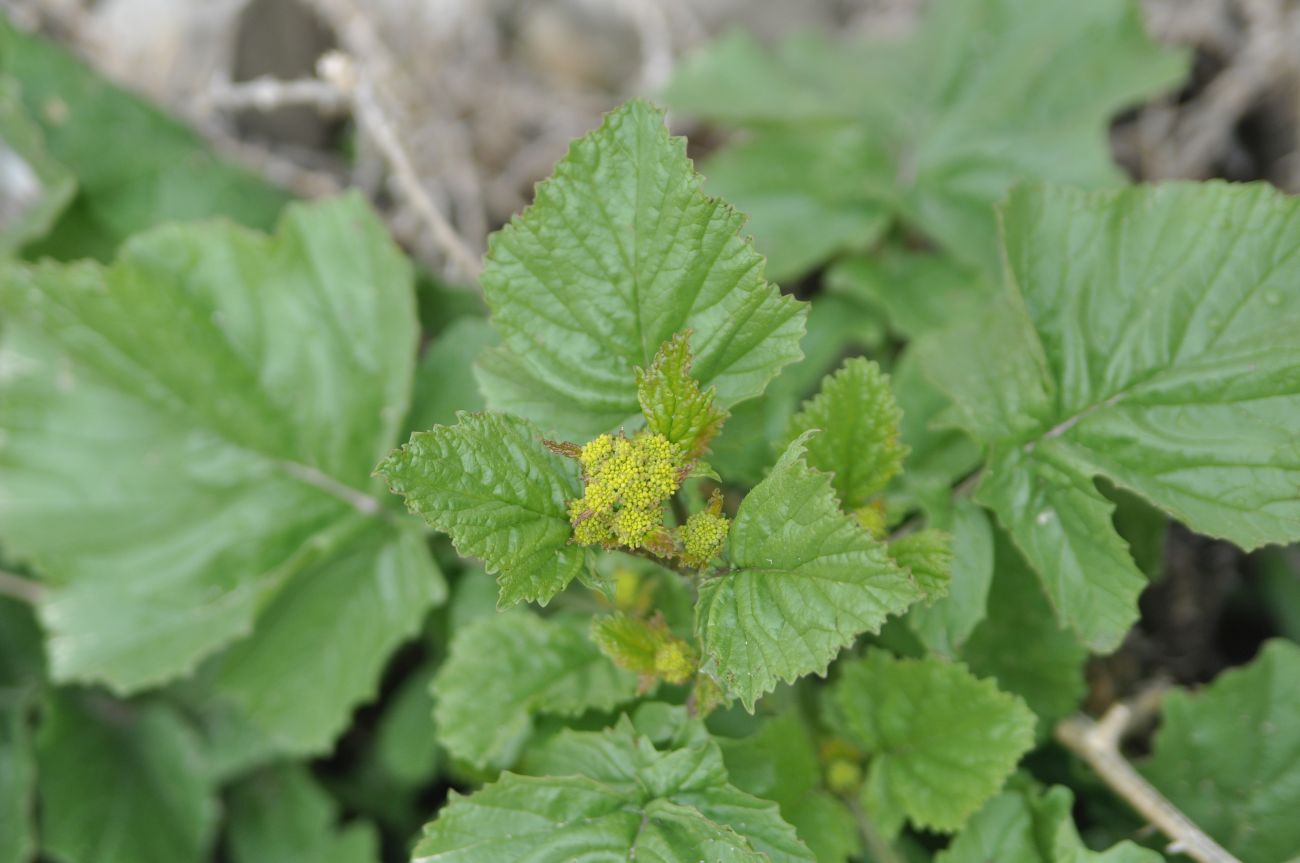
(1098, 744)
(23, 589)
(271, 94)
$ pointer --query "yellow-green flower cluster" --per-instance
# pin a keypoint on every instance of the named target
(702, 536)
(627, 481)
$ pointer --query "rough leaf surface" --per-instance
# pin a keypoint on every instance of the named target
(619, 251)
(490, 483)
(1229, 755)
(940, 740)
(1146, 336)
(507, 668)
(804, 580)
(182, 431)
(672, 401)
(612, 796)
(859, 422)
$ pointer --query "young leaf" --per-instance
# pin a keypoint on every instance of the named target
(280, 815)
(1020, 644)
(291, 678)
(1227, 756)
(170, 456)
(672, 401)
(940, 740)
(927, 555)
(619, 251)
(122, 783)
(1025, 826)
(1162, 358)
(935, 129)
(489, 482)
(511, 667)
(859, 419)
(612, 796)
(804, 581)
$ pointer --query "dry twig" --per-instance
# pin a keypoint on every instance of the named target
(1098, 744)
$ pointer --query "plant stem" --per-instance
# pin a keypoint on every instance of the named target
(24, 589)
(1098, 744)
(881, 851)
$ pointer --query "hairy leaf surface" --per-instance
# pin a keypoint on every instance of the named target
(804, 580)
(490, 483)
(619, 251)
(1146, 336)
(505, 669)
(940, 740)
(612, 796)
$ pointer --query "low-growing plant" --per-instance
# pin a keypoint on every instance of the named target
(757, 596)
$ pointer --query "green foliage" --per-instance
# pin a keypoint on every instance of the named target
(178, 463)
(1027, 826)
(944, 624)
(940, 740)
(122, 783)
(505, 669)
(47, 185)
(21, 672)
(612, 795)
(932, 130)
(780, 762)
(858, 418)
(581, 299)
(1227, 755)
(672, 401)
(1177, 382)
(502, 496)
(927, 555)
(804, 581)
(280, 815)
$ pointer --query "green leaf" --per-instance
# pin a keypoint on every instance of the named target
(613, 796)
(928, 556)
(444, 381)
(859, 420)
(1020, 644)
(1226, 756)
(944, 624)
(934, 129)
(940, 740)
(280, 815)
(672, 401)
(134, 166)
(500, 494)
(779, 763)
(38, 188)
(296, 682)
(620, 251)
(511, 667)
(1025, 826)
(802, 217)
(1162, 358)
(170, 459)
(22, 668)
(920, 292)
(804, 581)
(122, 783)
(406, 747)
